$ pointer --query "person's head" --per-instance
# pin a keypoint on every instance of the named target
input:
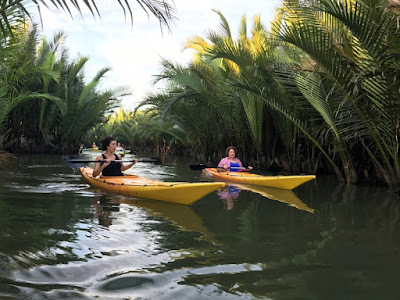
(231, 151)
(107, 141)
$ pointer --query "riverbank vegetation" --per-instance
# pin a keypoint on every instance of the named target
(316, 92)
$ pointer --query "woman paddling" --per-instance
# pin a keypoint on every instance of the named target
(110, 167)
(231, 162)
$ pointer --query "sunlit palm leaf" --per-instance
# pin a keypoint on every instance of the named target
(12, 11)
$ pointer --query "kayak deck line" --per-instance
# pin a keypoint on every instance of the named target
(123, 183)
(160, 184)
(142, 187)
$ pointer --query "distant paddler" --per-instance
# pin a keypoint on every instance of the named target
(119, 148)
(231, 162)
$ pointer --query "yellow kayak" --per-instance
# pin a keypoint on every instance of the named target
(279, 182)
(142, 187)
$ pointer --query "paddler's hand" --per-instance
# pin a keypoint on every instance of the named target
(133, 163)
(249, 168)
(106, 163)
(126, 167)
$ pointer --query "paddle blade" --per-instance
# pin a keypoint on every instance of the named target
(198, 167)
(75, 162)
(153, 160)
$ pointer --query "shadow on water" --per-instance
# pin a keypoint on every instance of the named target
(61, 239)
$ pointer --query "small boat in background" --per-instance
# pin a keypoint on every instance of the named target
(122, 152)
(89, 151)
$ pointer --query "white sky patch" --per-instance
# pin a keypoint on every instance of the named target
(134, 52)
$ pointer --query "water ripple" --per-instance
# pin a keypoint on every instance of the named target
(48, 188)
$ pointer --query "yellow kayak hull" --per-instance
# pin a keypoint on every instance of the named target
(278, 182)
(142, 187)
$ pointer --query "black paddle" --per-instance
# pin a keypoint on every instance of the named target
(202, 166)
(81, 162)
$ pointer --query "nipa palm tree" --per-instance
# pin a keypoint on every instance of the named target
(354, 44)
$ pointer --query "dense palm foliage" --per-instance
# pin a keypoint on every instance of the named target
(354, 47)
(203, 103)
(141, 131)
(321, 84)
(19, 78)
(46, 103)
(207, 99)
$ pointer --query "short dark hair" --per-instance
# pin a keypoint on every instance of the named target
(107, 141)
(229, 148)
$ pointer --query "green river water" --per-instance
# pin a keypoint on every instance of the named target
(61, 239)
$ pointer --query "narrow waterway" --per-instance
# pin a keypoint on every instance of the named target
(61, 239)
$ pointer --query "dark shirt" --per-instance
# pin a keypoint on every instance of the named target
(113, 169)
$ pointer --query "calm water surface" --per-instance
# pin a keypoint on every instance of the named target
(61, 239)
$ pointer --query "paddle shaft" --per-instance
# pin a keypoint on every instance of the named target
(80, 162)
(201, 167)
(103, 161)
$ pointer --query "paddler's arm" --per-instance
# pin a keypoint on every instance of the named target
(99, 168)
(249, 168)
(223, 165)
(223, 169)
(126, 167)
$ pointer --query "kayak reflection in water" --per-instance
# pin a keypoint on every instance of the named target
(110, 167)
(228, 194)
(103, 207)
(231, 163)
